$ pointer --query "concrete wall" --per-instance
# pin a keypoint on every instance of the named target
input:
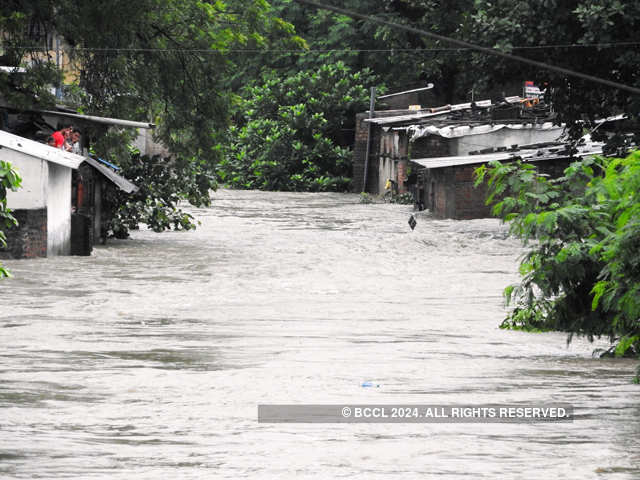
(45, 195)
(59, 210)
(34, 173)
(386, 148)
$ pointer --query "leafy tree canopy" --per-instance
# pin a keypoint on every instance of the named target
(581, 273)
(293, 133)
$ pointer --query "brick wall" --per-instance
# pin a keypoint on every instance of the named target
(359, 152)
(360, 148)
(469, 201)
(29, 238)
(450, 191)
(430, 146)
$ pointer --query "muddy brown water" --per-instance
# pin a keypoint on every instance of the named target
(149, 358)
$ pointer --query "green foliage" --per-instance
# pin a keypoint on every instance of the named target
(290, 133)
(163, 183)
(582, 35)
(9, 179)
(581, 273)
(23, 35)
(389, 52)
(166, 61)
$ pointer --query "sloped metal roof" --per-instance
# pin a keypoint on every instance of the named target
(433, 112)
(528, 155)
(94, 119)
(121, 182)
(464, 129)
(39, 150)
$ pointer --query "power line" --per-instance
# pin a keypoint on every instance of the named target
(473, 46)
(320, 50)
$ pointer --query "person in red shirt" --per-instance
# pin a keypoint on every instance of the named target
(60, 136)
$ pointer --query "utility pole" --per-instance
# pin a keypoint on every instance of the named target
(372, 104)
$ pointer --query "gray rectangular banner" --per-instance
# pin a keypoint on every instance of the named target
(357, 413)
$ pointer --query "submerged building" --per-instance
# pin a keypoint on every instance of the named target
(43, 205)
(60, 207)
(397, 136)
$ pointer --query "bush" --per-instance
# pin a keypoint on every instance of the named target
(581, 273)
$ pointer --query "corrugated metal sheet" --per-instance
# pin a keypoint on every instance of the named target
(39, 150)
(528, 155)
(436, 112)
(464, 129)
(441, 162)
(94, 119)
(121, 182)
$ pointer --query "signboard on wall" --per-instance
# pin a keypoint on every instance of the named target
(531, 91)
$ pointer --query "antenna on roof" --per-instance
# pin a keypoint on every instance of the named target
(428, 87)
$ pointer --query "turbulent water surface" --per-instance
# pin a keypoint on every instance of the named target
(149, 358)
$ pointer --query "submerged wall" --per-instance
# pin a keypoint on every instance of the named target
(42, 207)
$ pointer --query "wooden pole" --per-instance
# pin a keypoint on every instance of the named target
(372, 102)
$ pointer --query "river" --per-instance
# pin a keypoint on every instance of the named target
(148, 359)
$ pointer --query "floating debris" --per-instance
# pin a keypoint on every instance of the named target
(412, 222)
(369, 385)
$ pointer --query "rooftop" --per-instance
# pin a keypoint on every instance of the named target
(526, 153)
(39, 150)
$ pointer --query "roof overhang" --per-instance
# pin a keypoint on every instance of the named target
(39, 150)
(118, 180)
(101, 120)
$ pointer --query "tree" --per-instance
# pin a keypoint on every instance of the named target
(290, 133)
(581, 273)
(589, 36)
(400, 59)
(165, 61)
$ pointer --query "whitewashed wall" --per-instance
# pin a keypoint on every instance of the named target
(59, 210)
(44, 185)
(34, 173)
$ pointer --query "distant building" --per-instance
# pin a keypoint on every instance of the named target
(445, 185)
(397, 136)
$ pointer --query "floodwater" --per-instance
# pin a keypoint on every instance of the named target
(148, 359)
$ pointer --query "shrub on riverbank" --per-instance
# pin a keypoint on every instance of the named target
(581, 273)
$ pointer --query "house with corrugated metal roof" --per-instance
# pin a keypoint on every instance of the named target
(60, 205)
(446, 185)
(397, 136)
(90, 181)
